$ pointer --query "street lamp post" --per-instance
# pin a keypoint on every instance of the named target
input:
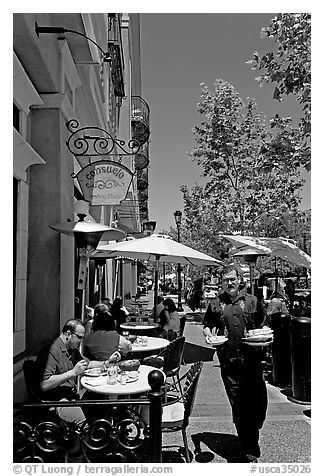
(178, 216)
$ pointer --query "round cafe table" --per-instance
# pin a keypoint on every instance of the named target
(153, 343)
(100, 385)
(137, 326)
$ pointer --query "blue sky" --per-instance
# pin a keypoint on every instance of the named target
(178, 52)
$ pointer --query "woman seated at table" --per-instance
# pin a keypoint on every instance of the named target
(160, 331)
(104, 342)
(100, 307)
(119, 312)
(172, 317)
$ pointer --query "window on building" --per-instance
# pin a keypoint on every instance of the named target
(16, 117)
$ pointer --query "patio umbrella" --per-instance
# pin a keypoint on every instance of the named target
(156, 248)
(279, 247)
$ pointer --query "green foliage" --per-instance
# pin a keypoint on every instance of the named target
(290, 68)
(253, 173)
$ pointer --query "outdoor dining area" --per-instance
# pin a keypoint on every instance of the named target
(130, 403)
(128, 407)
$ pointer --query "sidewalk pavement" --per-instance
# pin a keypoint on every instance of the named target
(286, 433)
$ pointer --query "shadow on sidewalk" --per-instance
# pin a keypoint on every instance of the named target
(225, 445)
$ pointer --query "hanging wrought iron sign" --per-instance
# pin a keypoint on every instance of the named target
(97, 141)
(105, 181)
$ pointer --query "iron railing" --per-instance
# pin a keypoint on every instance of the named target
(120, 434)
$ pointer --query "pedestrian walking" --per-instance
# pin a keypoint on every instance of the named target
(232, 313)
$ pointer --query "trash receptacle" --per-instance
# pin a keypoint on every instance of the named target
(281, 349)
(301, 359)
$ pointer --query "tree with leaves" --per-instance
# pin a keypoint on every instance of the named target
(245, 193)
(290, 68)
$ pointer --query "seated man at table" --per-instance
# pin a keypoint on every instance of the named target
(59, 365)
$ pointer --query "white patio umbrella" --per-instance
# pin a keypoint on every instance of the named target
(156, 248)
(279, 247)
(260, 246)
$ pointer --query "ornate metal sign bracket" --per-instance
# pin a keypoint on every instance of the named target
(104, 180)
(94, 141)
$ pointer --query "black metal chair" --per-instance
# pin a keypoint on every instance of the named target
(182, 325)
(169, 360)
(173, 360)
(31, 375)
(183, 320)
(177, 410)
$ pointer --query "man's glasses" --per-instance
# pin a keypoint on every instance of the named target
(78, 336)
(229, 280)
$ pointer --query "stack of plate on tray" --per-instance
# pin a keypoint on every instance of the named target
(216, 340)
(259, 337)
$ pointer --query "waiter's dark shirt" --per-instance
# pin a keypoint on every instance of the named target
(232, 317)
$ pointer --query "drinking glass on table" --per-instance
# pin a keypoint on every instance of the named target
(126, 334)
(112, 372)
(132, 338)
(123, 378)
(144, 341)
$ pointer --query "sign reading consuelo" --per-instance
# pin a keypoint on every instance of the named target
(104, 182)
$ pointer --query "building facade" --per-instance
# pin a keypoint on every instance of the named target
(87, 74)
